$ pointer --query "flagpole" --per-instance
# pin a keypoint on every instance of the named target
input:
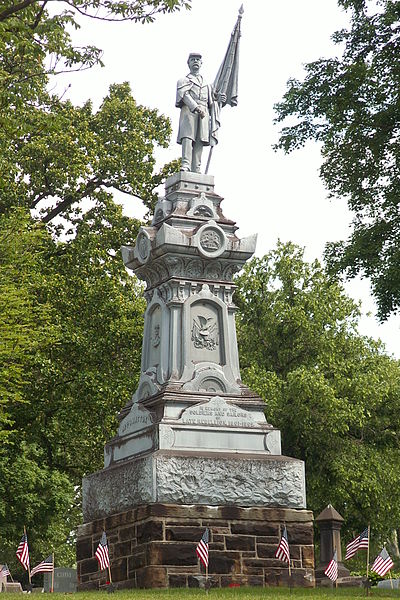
(109, 573)
(231, 59)
(369, 537)
(10, 575)
(52, 577)
(29, 566)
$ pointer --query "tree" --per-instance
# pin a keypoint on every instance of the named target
(334, 394)
(71, 318)
(68, 154)
(30, 491)
(71, 359)
(351, 105)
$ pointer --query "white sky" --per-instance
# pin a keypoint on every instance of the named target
(275, 195)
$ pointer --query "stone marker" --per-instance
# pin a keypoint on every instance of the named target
(330, 523)
(65, 580)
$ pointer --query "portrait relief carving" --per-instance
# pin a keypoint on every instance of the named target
(156, 339)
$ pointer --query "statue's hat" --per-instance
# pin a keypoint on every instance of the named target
(194, 54)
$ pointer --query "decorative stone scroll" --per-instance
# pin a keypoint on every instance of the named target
(218, 412)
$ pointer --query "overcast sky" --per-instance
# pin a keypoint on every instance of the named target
(275, 195)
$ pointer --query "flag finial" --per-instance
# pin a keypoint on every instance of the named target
(241, 11)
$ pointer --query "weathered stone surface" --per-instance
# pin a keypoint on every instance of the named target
(146, 532)
(255, 528)
(84, 548)
(307, 554)
(119, 570)
(90, 565)
(186, 534)
(136, 562)
(172, 554)
(154, 577)
(300, 534)
(171, 477)
(122, 549)
(240, 542)
(127, 533)
(223, 562)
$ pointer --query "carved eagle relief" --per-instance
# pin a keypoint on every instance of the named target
(205, 332)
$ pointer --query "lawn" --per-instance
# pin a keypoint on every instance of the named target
(243, 593)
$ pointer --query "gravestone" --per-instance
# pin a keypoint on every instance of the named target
(65, 581)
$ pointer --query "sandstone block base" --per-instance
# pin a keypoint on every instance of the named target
(153, 546)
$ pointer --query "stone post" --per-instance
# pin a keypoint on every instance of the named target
(330, 523)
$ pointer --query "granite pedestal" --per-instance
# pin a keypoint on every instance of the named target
(193, 447)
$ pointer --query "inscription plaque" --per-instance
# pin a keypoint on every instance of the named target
(138, 418)
(218, 412)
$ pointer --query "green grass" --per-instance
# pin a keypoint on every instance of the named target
(243, 593)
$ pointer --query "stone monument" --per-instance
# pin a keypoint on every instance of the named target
(193, 447)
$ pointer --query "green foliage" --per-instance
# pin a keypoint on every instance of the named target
(64, 154)
(69, 359)
(71, 318)
(334, 394)
(351, 106)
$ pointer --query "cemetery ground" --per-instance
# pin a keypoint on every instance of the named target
(242, 593)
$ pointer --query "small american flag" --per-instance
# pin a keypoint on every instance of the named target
(102, 552)
(361, 541)
(202, 548)
(331, 570)
(282, 551)
(383, 563)
(4, 572)
(46, 566)
(23, 552)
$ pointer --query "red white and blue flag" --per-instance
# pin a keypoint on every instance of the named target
(361, 541)
(202, 548)
(23, 552)
(102, 554)
(331, 570)
(282, 551)
(5, 571)
(383, 563)
(46, 566)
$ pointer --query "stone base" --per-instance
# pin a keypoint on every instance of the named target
(208, 478)
(153, 546)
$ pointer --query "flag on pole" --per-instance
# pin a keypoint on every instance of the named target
(46, 566)
(23, 552)
(383, 563)
(282, 551)
(202, 548)
(226, 80)
(331, 570)
(361, 541)
(102, 554)
(4, 572)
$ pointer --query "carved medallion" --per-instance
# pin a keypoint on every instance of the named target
(205, 332)
(210, 240)
(143, 246)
